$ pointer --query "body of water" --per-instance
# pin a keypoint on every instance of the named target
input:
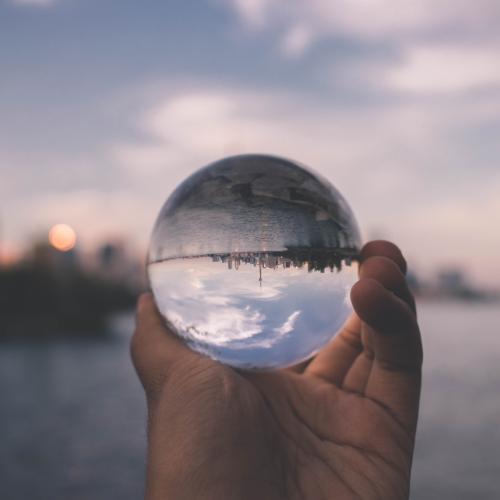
(72, 413)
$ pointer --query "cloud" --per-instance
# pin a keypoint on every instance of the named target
(429, 45)
(372, 19)
(288, 325)
(297, 40)
(435, 68)
(185, 130)
(392, 160)
(35, 3)
(253, 11)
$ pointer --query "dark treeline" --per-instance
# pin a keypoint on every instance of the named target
(38, 301)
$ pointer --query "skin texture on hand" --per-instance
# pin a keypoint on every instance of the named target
(339, 427)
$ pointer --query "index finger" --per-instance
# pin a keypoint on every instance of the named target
(336, 359)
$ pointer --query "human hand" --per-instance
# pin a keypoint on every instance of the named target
(340, 427)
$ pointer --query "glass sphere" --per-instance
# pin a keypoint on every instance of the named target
(252, 259)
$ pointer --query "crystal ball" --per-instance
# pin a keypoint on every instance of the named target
(252, 259)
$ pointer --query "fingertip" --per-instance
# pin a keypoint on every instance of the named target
(383, 269)
(383, 248)
(389, 274)
(380, 308)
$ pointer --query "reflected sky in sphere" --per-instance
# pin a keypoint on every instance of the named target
(252, 260)
(233, 316)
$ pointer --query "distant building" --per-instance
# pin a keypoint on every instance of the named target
(451, 280)
(46, 256)
(313, 260)
(113, 263)
(413, 282)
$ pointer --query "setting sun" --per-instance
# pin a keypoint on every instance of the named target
(62, 237)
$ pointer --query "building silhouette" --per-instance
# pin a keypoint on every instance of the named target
(314, 260)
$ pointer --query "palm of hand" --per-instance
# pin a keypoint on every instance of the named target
(341, 428)
(307, 437)
(335, 443)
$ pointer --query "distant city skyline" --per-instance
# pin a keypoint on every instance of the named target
(107, 106)
(320, 261)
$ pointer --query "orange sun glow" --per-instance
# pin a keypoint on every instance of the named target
(62, 237)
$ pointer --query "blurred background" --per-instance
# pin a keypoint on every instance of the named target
(106, 105)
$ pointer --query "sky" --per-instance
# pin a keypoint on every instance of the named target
(106, 105)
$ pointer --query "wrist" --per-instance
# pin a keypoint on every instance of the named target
(168, 481)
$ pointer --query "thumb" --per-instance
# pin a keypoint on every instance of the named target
(154, 348)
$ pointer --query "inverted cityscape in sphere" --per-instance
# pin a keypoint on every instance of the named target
(252, 259)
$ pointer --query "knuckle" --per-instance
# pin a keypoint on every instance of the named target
(382, 266)
(386, 272)
(386, 249)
